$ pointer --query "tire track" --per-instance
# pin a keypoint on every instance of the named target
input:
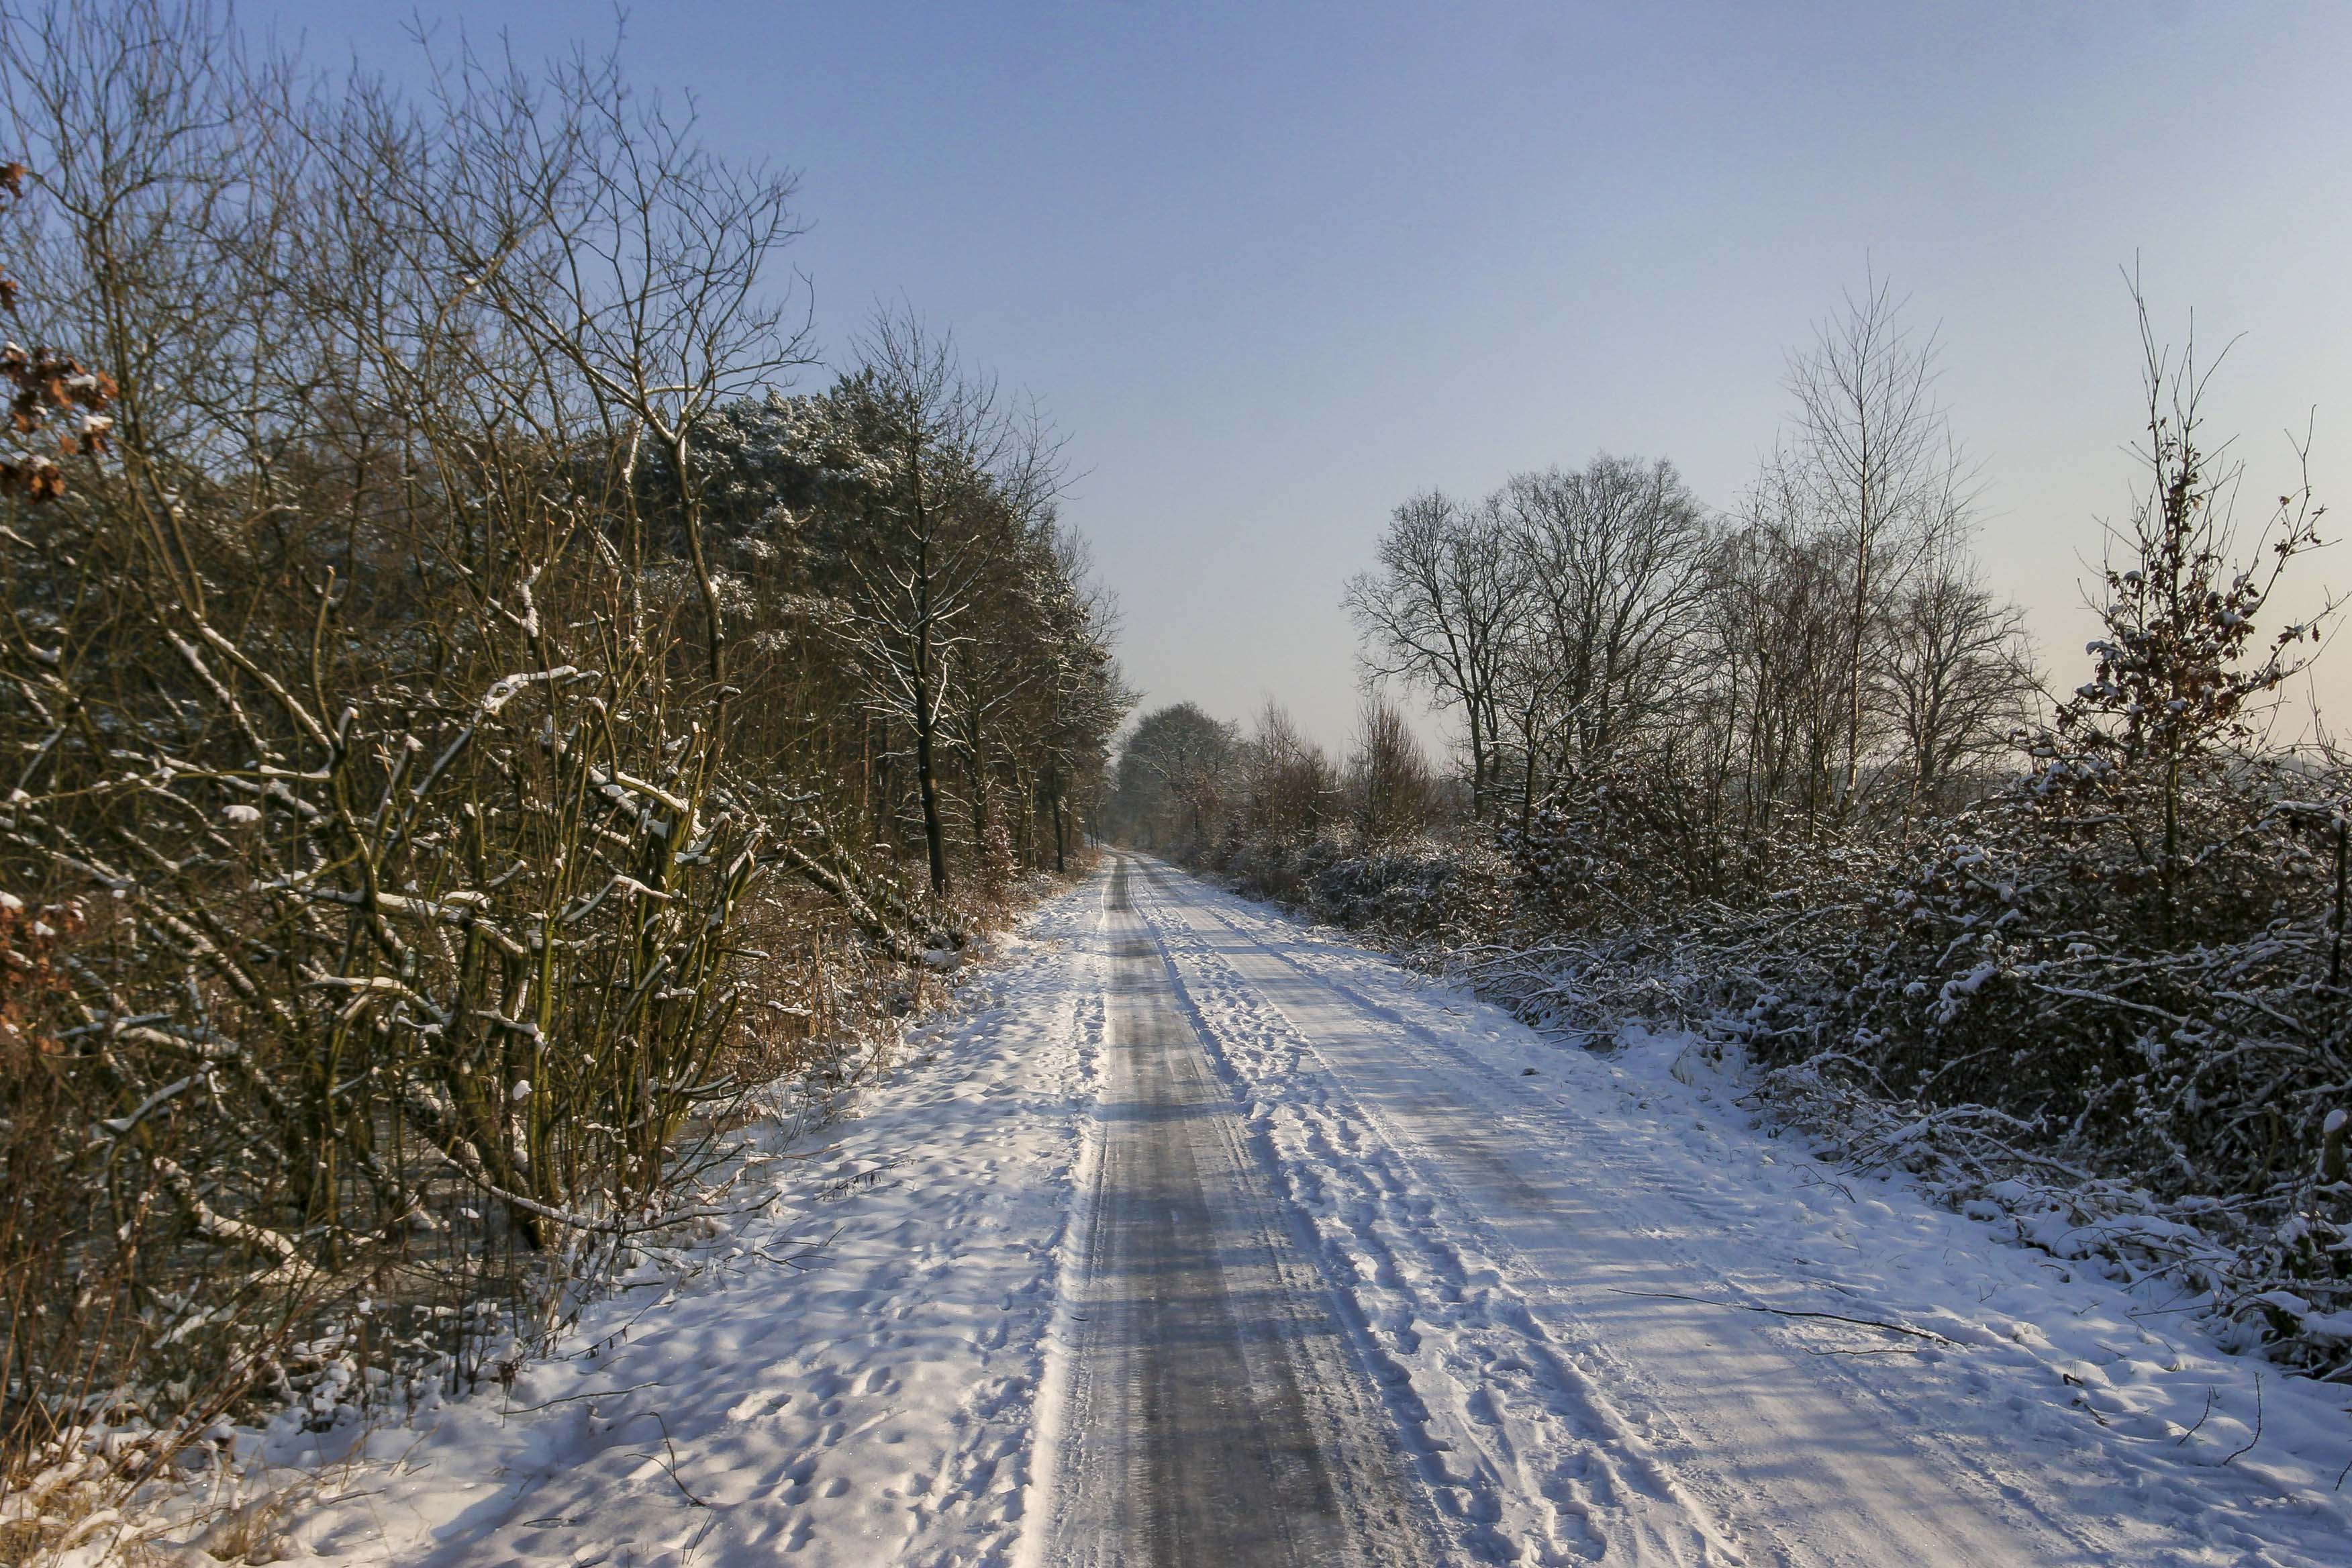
(1210, 1408)
(1534, 1462)
(1863, 1476)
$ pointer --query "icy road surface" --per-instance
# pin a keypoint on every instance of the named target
(1211, 1409)
(1206, 1238)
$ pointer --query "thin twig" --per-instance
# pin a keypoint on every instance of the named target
(2201, 1420)
(1791, 1312)
(592, 1393)
(2258, 1420)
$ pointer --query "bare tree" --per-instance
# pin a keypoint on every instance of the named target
(1293, 787)
(1388, 775)
(959, 479)
(1528, 702)
(1774, 646)
(1874, 457)
(1612, 558)
(1175, 776)
(1440, 612)
(610, 238)
(1958, 681)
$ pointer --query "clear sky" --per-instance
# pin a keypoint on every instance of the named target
(1275, 266)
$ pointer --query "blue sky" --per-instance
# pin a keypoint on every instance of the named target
(1273, 266)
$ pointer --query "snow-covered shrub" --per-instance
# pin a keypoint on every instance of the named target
(1640, 834)
(1412, 892)
(448, 766)
(2134, 955)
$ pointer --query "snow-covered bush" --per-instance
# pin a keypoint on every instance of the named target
(453, 755)
(2134, 954)
(1410, 891)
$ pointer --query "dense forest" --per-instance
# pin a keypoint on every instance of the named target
(1785, 773)
(470, 722)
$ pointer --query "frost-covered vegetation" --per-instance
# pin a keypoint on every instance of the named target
(467, 726)
(1786, 777)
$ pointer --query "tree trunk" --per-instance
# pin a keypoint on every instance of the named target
(1528, 788)
(1479, 781)
(927, 784)
(1060, 837)
(926, 704)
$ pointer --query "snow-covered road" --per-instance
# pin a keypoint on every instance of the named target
(1208, 1406)
(1209, 1236)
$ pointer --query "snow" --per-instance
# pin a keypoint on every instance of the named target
(849, 1378)
(1521, 1241)
(504, 688)
(1610, 1315)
